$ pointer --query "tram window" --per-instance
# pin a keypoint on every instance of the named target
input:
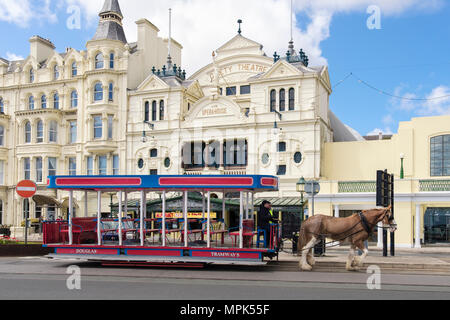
(154, 153)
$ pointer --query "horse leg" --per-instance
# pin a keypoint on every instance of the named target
(310, 258)
(349, 266)
(305, 252)
(359, 261)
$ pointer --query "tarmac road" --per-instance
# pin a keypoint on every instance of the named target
(39, 278)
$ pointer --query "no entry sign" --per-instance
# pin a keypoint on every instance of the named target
(26, 188)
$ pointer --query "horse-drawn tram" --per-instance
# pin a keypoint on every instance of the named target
(164, 238)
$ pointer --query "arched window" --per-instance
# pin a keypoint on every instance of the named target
(111, 60)
(44, 101)
(55, 72)
(53, 131)
(154, 111)
(74, 99)
(28, 132)
(440, 156)
(31, 103)
(161, 110)
(2, 106)
(40, 132)
(98, 92)
(147, 111)
(56, 101)
(2, 136)
(74, 69)
(111, 92)
(291, 99)
(273, 100)
(282, 100)
(31, 75)
(99, 61)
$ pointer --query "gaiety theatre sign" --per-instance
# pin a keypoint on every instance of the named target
(239, 67)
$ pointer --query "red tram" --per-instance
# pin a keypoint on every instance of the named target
(157, 241)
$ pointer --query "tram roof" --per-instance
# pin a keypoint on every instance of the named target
(255, 183)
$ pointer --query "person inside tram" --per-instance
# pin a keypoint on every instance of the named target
(266, 217)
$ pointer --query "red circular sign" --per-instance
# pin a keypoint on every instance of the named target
(26, 188)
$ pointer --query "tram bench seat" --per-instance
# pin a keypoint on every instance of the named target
(151, 231)
(80, 236)
(194, 231)
(247, 235)
(222, 233)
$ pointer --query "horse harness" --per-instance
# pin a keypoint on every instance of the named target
(365, 223)
(368, 227)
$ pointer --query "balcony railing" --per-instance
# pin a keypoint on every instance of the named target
(434, 185)
(357, 186)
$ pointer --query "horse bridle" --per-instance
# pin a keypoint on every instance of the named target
(366, 224)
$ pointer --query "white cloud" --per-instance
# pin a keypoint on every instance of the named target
(437, 105)
(204, 25)
(23, 12)
(376, 132)
(13, 57)
(16, 11)
(437, 102)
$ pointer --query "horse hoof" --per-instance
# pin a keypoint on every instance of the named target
(306, 268)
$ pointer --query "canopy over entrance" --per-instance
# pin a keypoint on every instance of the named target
(42, 201)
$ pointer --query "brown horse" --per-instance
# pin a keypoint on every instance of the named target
(355, 229)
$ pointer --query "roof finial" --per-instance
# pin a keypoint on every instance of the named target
(292, 26)
(169, 58)
(240, 22)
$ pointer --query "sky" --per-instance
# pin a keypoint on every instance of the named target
(394, 56)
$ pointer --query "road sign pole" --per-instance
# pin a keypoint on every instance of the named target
(27, 208)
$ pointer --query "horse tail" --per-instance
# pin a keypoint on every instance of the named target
(302, 241)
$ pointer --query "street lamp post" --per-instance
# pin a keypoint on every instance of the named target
(402, 171)
(301, 188)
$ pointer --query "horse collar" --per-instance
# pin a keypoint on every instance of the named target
(365, 223)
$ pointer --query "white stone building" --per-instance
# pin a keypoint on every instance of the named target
(127, 108)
